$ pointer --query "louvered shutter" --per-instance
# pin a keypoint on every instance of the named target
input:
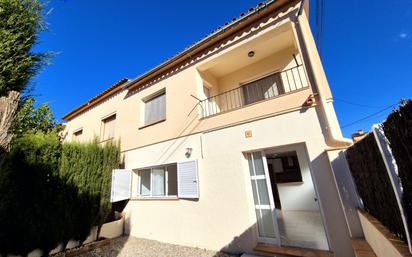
(121, 185)
(155, 109)
(187, 179)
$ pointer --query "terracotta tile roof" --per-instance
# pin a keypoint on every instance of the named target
(227, 24)
(170, 61)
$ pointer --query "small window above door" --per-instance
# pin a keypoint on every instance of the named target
(285, 166)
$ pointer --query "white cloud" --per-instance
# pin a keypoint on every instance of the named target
(403, 35)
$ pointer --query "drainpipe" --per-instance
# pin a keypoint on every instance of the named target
(314, 66)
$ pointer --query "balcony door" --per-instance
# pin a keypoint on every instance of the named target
(263, 88)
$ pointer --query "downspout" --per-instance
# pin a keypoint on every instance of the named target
(335, 137)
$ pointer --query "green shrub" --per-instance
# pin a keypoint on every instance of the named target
(52, 192)
(29, 195)
(89, 166)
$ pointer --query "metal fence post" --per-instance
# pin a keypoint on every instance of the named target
(392, 170)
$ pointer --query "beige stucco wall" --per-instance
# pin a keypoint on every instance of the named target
(179, 104)
(112, 229)
(224, 217)
(347, 190)
(275, 40)
(187, 81)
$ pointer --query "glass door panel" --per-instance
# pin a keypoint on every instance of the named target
(264, 206)
(145, 182)
(158, 181)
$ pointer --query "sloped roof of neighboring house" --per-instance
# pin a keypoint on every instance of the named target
(97, 98)
(229, 28)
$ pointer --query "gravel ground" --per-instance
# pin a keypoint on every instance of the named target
(137, 247)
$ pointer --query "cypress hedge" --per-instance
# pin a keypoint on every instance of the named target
(374, 185)
(51, 192)
(89, 167)
(398, 131)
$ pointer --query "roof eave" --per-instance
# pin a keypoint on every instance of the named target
(226, 31)
(96, 99)
(213, 38)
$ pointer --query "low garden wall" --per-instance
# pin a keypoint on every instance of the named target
(381, 240)
(108, 230)
(112, 229)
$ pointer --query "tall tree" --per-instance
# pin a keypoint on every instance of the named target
(8, 106)
(21, 22)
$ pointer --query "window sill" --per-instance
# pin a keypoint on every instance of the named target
(148, 198)
(153, 123)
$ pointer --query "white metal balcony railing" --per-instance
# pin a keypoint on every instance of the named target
(273, 85)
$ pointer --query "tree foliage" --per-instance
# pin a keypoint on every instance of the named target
(33, 119)
(21, 21)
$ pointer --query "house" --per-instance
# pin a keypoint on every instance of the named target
(224, 145)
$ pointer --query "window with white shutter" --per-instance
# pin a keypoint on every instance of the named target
(188, 179)
(169, 180)
(121, 185)
(158, 181)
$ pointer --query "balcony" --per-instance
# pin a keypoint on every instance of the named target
(261, 89)
(261, 68)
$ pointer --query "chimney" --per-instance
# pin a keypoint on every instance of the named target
(358, 135)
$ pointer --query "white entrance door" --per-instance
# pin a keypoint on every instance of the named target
(264, 205)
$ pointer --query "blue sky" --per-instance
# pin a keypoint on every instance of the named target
(366, 48)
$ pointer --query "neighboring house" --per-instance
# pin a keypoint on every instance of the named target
(224, 145)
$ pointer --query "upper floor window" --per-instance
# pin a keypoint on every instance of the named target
(77, 135)
(107, 129)
(155, 108)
